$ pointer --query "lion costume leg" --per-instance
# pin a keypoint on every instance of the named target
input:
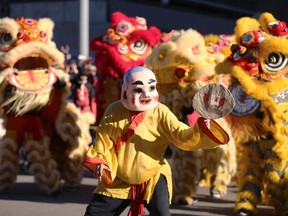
(43, 166)
(219, 165)
(278, 197)
(70, 165)
(216, 173)
(249, 179)
(186, 172)
(9, 157)
(72, 129)
(275, 175)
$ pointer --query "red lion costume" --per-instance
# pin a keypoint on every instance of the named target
(126, 44)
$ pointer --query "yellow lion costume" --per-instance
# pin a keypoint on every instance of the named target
(182, 66)
(37, 117)
(258, 66)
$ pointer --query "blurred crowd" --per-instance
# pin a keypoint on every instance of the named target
(83, 80)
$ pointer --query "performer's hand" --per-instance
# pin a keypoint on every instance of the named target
(100, 168)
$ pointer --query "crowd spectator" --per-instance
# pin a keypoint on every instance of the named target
(83, 80)
(72, 69)
(65, 49)
(82, 91)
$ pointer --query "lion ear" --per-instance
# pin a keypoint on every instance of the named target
(244, 25)
(46, 24)
(10, 27)
(265, 19)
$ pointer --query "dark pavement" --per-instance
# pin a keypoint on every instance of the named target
(25, 199)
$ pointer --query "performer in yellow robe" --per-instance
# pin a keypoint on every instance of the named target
(127, 156)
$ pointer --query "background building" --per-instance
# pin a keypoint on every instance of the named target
(206, 16)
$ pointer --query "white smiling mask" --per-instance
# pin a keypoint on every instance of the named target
(139, 91)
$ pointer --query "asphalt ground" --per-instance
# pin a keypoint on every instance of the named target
(26, 199)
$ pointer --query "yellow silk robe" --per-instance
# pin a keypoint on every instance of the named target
(141, 158)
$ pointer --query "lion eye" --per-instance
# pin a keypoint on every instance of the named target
(5, 38)
(29, 21)
(124, 28)
(20, 34)
(139, 47)
(43, 34)
(276, 62)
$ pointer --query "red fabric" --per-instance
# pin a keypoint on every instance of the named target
(137, 206)
(280, 29)
(24, 126)
(136, 119)
(90, 163)
(50, 112)
(94, 107)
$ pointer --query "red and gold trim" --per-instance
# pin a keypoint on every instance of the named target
(215, 132)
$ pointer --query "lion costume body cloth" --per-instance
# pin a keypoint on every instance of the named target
(182, 65)
(37, 117)
(258, 66)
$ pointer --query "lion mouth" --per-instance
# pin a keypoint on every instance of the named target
(31, 63)
(32, 74)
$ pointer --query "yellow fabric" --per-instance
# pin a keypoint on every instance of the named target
(141, 158)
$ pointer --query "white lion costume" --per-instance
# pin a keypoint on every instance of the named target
(37, 117)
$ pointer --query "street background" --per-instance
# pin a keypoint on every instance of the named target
(26, 199)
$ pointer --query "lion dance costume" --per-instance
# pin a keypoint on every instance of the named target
(258, 66)
(126, 44)
(182, 66)
(37, 117)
